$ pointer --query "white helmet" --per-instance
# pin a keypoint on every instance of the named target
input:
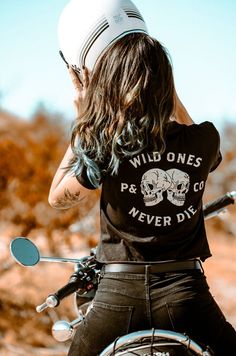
(87, 27)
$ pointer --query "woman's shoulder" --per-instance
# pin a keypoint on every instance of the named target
(205, 125)
(206, 131)
(204, 128)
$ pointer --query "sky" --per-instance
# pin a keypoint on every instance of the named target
(200, 36)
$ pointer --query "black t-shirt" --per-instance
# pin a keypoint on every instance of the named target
(152, 209)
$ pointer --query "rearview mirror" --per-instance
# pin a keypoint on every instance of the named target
(24, 251)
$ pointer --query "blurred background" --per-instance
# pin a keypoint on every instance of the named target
(36, 112)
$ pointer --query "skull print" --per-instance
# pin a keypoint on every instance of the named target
(154, 182)
(176, 193)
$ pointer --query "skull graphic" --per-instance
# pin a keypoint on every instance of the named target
(154, 182)
(176, 193)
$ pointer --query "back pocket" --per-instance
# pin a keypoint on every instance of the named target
(104, 323)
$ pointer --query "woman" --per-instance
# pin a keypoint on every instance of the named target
(134, 138)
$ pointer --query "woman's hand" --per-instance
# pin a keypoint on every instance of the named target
(81, 86)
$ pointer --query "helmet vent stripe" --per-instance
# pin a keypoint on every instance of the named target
(133, 13)
(91, 38)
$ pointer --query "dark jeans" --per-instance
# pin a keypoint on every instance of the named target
(127, 302)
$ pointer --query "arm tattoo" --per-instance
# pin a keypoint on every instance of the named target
(69, 198)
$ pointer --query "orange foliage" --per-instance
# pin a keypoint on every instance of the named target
(30, 153)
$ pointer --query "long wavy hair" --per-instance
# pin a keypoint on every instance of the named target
(128, 104)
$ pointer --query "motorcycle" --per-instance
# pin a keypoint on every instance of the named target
(83, 283)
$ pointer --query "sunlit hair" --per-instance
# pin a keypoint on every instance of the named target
(129, 101)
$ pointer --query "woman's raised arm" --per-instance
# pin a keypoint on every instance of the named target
(66, 191)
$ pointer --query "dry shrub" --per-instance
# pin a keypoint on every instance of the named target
(224, 178)
(30, 153)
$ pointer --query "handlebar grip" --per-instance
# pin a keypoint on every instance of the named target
(68, 289)
(53, 300)
(220, 203)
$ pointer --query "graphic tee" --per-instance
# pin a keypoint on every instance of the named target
(152, 209)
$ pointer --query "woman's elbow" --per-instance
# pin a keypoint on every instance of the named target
(61, 202)
(56, 202)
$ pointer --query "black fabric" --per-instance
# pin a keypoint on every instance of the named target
(152, 209)
(84, 181)
(180, 302)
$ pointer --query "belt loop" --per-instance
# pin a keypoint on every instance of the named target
(147, 273)
(102, 273)
(200, 262)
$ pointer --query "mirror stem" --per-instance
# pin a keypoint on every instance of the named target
(58, 259)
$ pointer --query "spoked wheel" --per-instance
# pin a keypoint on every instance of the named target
(155, 343)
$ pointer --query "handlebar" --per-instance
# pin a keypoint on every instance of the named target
(53, 300)
(214, 207)
(83, 280)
